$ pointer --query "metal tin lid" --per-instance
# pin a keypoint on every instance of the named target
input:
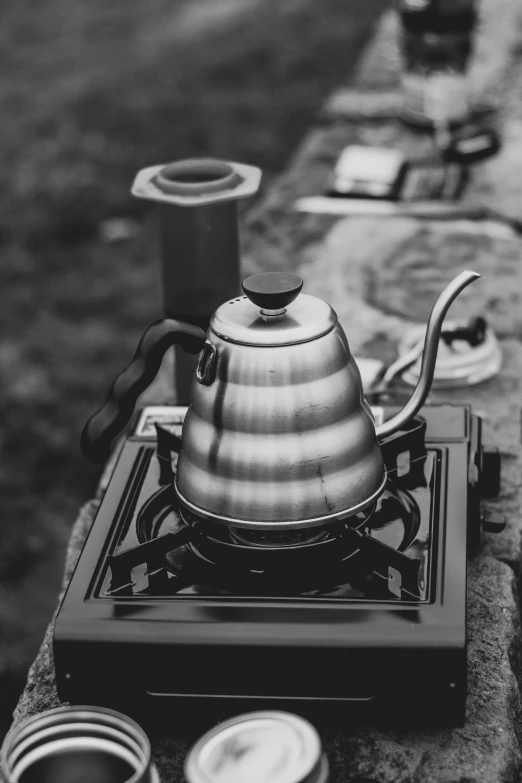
(273, 313)
(258, 747)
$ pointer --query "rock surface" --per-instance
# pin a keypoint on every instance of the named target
(381, 276)
(486, 748)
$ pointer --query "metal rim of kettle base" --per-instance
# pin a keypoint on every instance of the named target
(79, 728)
(284, 524)
(279, 747)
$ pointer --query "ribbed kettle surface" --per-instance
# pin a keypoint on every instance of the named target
(282, 434)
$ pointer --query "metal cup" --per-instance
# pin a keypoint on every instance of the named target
(78, 745)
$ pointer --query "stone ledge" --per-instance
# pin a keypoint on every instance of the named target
(487, 747)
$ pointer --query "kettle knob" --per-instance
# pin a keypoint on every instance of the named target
(272, 290)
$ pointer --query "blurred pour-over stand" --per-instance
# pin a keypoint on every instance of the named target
(197, 202)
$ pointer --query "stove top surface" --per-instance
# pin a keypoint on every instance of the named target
(387, 555)
(383, 592)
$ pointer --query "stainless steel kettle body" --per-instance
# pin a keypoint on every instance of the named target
(282, 435)
(278, 433)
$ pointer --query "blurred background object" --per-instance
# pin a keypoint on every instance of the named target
(92, 91)
(436, 43)
(468, 353)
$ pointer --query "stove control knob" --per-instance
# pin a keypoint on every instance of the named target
(490, 474)
(492, 522)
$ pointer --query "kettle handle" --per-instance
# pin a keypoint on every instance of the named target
(111, 418)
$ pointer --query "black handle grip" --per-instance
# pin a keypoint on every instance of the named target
(272, 290)
(111, 418)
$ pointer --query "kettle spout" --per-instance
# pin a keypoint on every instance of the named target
(429, 355)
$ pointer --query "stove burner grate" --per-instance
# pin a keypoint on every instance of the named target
(194, 551)
(179, 548)
(357, 604)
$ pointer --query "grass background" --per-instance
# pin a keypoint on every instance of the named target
(90, 92)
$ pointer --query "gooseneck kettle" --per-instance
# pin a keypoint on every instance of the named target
(278, 433)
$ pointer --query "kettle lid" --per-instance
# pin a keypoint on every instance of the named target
(273, 312)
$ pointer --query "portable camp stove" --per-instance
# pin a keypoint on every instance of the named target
(364, 618)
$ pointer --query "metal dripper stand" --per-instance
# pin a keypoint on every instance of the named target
(199, 241)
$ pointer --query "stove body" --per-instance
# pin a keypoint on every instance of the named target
(170, 615)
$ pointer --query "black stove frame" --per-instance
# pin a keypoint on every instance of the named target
(198, 658)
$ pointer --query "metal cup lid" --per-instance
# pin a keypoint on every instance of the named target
(258, 747)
